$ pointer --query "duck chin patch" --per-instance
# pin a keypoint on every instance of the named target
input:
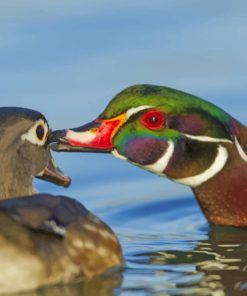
(118, 155)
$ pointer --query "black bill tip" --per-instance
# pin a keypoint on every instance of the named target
(57, 136)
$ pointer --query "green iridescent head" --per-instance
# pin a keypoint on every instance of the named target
(168, 99)
(163, 130)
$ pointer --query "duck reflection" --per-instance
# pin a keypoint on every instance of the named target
(104, 285)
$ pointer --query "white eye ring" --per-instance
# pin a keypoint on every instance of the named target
(31, 134)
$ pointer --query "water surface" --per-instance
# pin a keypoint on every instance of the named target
(169, 247)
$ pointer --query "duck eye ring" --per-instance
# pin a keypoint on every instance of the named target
(153, 120)
(40, 132)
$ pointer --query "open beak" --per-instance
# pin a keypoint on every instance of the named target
(96, 136)
(53, 174)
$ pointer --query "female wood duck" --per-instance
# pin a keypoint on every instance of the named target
(24, 152)
(177, 135)
(44, 239)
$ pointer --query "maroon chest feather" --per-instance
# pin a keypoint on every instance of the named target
(224, 197)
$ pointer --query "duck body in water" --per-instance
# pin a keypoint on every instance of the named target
(44, 239)
(176, 135)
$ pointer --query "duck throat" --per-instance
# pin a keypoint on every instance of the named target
(223, 198)
(13, 188)
(15, 182)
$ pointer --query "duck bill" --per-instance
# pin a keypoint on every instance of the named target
(96, 136)
(53, 174)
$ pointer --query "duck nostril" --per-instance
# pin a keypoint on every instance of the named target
(94, 130)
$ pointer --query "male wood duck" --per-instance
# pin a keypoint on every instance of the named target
(44, 239)
(176, 135)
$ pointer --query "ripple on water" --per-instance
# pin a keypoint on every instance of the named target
(171, 250)
(168, 246)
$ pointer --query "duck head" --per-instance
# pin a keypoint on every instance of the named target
(25, 152)
(170, 133)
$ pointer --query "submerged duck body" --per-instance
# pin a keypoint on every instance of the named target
(44, 239)
(176, 135)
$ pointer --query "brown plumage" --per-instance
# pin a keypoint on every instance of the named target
(47, 239)
(44, 239)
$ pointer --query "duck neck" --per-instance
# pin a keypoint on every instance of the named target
(223, 198)
(15, 183)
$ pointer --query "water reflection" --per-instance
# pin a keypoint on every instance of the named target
(106, 285)
(216, 266)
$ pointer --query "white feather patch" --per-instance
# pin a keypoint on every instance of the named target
(214, 169)
(82, 137)
(240, 150)
(116, 154)
(56, 228)
(160, 165)
(135, 110)
(208, 139)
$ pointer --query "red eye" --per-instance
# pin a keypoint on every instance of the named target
(153, 120)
